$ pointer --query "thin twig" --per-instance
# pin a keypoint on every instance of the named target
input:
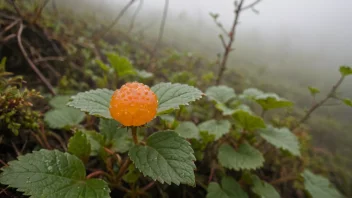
(116, 155)
(96, 173)
(148, 186)
(228, 47)
(162, 26)
(18, 153)
(3, 163)
(49, 58)
(11, 25)
(123, 169)
(283, 179)
(331, 94)
(59, 139)
(39, 11)
(12, 2)
(31, 64)
(133, 20)
(38, 139)
(250, 5)
(116, 20)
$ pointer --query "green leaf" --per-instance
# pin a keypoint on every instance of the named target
(171, 96)
(248, 121)
(3, 64)
(121, 65)
(229, 189)
(52, 174)
(167, 118)
(118, 139)
(64, 117)
(79, 146)
(187, 130)
(224, 109)
(272, 101)
(345, 70)
(251, 93)
(347, 101)
(318, 186)
(104, 67)
(220, 94)
(263, 189)
(132, 175)
(95, 102)
(281, 138)
(96, 141)
(246, 157)
(144, 74)
(59, 101)
(217, 128)
(313, 91)
(167, 157)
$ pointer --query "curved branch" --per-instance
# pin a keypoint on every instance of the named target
(31, 64)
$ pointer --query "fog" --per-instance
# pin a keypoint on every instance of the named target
(290, 38)
(286, 35)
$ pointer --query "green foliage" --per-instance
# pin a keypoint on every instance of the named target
(167, 158)
(345, 70)
(248, 121)
(251, 93)
(347, 101)
(52, 174)
(64, 117)
(187, 130)
(132, 175)
(313, 91)
(96, 141)
(229, 189)
(121, 65)
(59, 101)
(224, 109)
(245, 158)
(94, 102)
(263, 189)
(144, 74)
(272, 101)
(220, 94)
(281, 138)
(16, 113)
(216, 128)
(171, 96)
(116, 138)
(318, 186)
(79, 146)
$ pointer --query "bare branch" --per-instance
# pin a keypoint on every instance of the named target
(228, 47)
(331, 94)
(12, 2)
(135, 15)
(250, 5)
(116, 20)
(162, 26)
(31, 64)
(39, 11)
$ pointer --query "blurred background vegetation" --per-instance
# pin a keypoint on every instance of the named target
(68, 41)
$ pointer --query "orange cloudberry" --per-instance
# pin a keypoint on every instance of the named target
(134, 104)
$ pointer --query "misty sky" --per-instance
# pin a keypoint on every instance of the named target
(314, 26)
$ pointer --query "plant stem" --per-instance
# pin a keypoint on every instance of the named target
(123, 169)
(134, 135)
(96, 173)
(331, 94)
(228, 47)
